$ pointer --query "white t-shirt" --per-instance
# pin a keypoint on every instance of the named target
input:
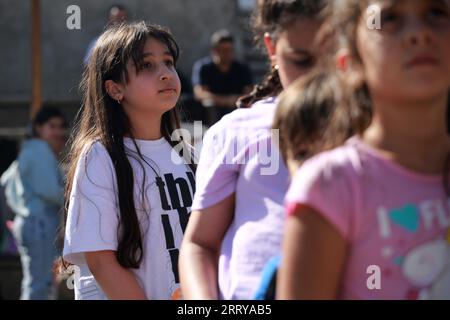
(94, 216)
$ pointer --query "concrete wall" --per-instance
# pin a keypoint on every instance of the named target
(191, 21)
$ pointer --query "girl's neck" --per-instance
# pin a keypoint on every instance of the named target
(145, 127)
(414, 134)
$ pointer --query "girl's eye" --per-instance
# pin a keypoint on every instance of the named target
(391, 20)
(438, 12)
(170, 63)
(389, 17)
(304, 63)
(147, 66)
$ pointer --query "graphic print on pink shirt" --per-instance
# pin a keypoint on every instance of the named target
(392, 218)
(426, 266)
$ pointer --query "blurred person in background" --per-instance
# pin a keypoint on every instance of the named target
(219, 80)
(34, 191)
(117, 14)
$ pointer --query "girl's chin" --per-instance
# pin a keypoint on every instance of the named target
(418, 88)
(424, 93)
(156, 109)
(165, 108)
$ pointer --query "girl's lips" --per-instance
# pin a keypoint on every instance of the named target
(167, 90)
(422, 60)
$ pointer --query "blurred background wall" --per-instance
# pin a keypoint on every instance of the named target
(191, 21)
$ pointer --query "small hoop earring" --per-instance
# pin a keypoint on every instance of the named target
(118, 101)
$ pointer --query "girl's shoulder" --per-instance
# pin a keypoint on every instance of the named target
(258, 117)
(340, 162)
(266, 102)
(95, 155)
(94, 149)
(94, 167)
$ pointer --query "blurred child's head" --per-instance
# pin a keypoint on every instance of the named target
(49, 124)
(288, 30)
(406, 57)
(312, 116)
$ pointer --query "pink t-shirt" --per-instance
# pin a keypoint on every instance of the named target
(395, 221)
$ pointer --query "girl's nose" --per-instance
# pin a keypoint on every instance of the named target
(419, 34)
(166, 73)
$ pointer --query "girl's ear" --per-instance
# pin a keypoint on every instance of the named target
(271, 48)
(115, 90)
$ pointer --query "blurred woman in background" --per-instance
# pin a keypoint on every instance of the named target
(34, 191)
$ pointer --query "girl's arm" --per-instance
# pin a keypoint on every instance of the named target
(116, 282)
(313, 258)
(199, 255)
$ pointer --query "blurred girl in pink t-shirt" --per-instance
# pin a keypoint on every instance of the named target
(371, 219)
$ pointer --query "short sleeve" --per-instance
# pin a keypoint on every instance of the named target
(218, 168)
(326, 187)
(197, 77)
(93, 215)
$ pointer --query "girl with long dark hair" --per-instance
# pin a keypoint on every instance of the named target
(129, 192)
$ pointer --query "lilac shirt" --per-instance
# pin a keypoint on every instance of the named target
(238, 156)
(396, 222)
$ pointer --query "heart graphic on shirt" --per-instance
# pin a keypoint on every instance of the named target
(406, 217)
(398, 261)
